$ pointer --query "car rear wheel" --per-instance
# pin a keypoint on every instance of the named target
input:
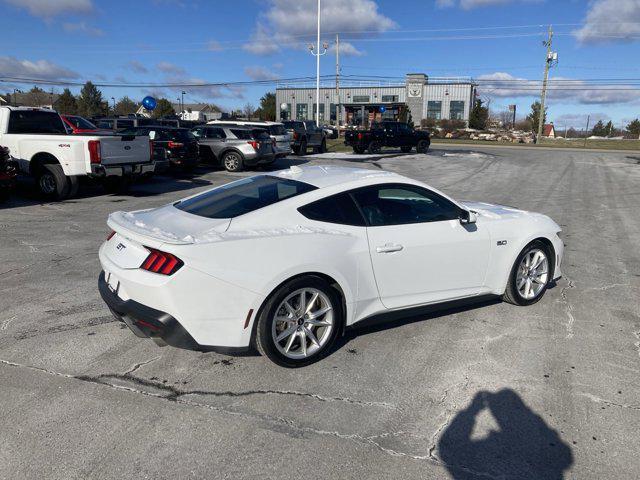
(232, 162)
(303, 148)
(423, 146)
(530, 275)
(323, 146)
(374, 147)
(53, 184)
(358, 150)
(299, 322)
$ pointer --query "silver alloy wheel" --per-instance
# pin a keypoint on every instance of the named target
(533, 274)
(47, 183)
(231, 161)
(303, 323)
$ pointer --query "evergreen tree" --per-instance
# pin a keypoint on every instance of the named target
(478, 116)
(634, 127)
(125, 106)
(534, 116)
(267, 108)
(599, 130)
(609, 130)
(90, 101)
(163, 108)
(66, 103)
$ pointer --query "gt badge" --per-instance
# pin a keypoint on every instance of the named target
(500, 243)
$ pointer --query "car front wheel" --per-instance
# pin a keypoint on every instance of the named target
(423, 146)
(530, 275)
(299, 323)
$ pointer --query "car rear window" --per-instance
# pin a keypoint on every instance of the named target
(277, 130)
(260, 134)
(181, 135)
(339, 209)
(242, 134)
(81, 123)
(35, 121)
(243, 196)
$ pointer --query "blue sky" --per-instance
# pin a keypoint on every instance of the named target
(174, 41)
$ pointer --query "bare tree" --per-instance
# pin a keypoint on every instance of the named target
(506, 118)
(248, 110)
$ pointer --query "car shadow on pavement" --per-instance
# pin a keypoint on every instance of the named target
(511, 441)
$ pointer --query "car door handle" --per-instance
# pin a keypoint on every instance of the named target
(389, 248)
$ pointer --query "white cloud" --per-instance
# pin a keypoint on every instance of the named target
(260, 73)
(197, 87)
(470, 4)
(563, 90)
(51, 8)
(579, 120)
(11, 66)
(137, 67)
(293, 23)
(348, 49)
(170, 68)
(610, 21)
(82, 27)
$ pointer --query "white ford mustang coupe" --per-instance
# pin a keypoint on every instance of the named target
(285, 261)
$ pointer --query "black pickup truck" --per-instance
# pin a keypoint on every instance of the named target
(388, 134)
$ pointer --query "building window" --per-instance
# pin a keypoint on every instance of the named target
(389, 98)
(361, 99)
(285, 114)
(434, 110)
(333, 112)
(302, 111)
(456, 110)
(315, 109)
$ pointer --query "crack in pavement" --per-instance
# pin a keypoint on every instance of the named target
(637, 344)
(596, 399)
(141, 364)
(568, 307)
(6, 322)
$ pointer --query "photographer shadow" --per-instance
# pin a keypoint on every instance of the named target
(523, 446)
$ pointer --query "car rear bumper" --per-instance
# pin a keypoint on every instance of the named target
(260, 160)
(147, 322)
(122, 170)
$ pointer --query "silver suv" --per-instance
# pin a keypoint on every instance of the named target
(276, 130)
(235, 147)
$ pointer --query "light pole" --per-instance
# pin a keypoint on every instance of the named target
(15, 96)
(114, 104)
(182, 104)
(318, 54)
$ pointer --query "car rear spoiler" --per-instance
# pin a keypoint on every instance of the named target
(125, 224)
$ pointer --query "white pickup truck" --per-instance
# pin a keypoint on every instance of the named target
(38, 140)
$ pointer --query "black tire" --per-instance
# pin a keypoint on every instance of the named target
(295, 150)
(358, 150)
(512, 294)
(74, 186)
(52, 183)
(406, 149)
(374, 147)
(323, 146)
(232, 161)
(303, 148)
(264, 340)
(423, 146)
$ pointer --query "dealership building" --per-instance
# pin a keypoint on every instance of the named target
(360, 103)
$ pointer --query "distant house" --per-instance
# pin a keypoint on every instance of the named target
(548, 130)
(198, 112)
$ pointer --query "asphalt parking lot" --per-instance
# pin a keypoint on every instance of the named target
(482, 391)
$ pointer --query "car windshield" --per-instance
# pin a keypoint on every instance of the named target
(81, 123)
(277, 130)
(243, 196)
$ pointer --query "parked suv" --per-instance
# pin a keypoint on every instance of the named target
(179, 145)
(304, 135)
(280, 136)
(235, 147)
(388, 134)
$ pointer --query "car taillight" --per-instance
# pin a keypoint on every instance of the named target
(110, 236)
(359, 136)
(150, 150)
(174, 144)
(95, 153)
(254, 144)
(295, 135)
(161, 262)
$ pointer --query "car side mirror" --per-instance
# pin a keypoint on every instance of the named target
(468, 217)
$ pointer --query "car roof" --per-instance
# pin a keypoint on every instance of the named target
(323, 176)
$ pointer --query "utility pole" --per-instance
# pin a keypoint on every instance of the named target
(551, 58)
(317, 53)
(586, 131)
(338, 107)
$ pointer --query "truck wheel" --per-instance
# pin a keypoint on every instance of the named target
(232, 162)
(53, 183)
(303, 148)
(422, 147)
(74, 185)
(323, 146)
(406, 149)
(358, 150)
(374, 147)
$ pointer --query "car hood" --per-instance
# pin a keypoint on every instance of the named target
(496, 212)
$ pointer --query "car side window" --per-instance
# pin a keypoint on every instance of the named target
(340, 209)
(403, 128)
(215, 133)
(198, 132)
(400, 204)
